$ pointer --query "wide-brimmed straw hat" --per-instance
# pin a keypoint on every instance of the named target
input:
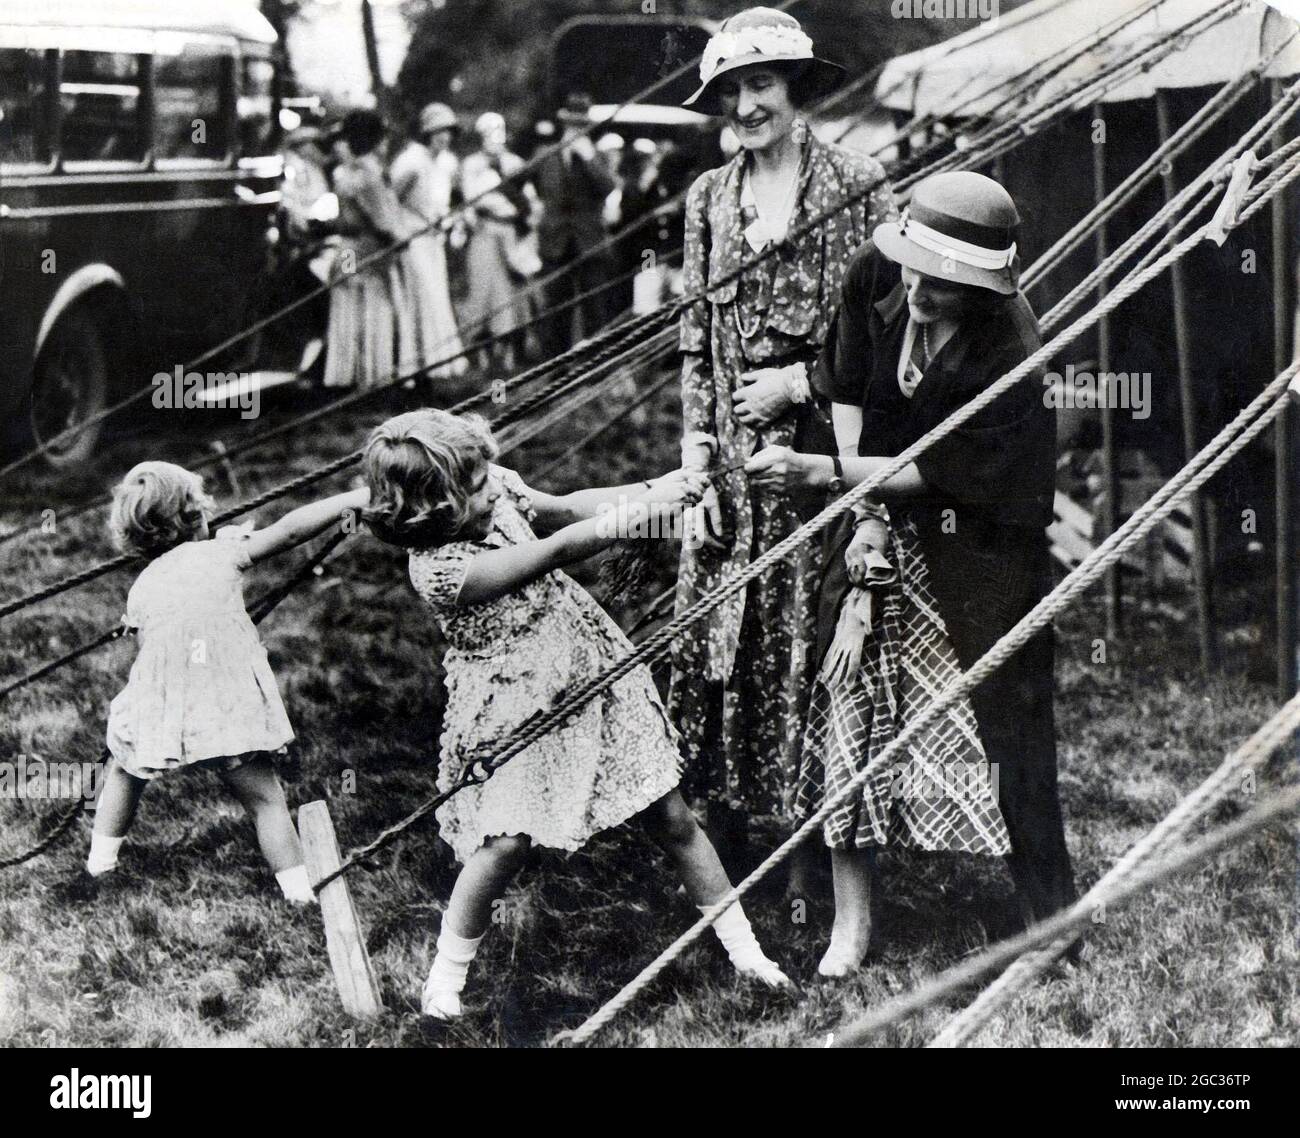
(438, 116)
(959, 227)
(760, 36)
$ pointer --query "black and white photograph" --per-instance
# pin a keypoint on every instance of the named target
(588, 525)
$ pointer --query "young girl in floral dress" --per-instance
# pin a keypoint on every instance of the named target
(520, 635)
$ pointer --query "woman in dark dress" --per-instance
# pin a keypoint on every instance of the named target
(931, 316)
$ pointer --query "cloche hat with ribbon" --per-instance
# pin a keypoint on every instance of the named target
(760, 36)
(959, 227)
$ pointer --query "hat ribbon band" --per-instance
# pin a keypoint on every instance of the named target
(976, 256)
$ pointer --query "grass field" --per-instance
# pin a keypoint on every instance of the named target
(194, 946)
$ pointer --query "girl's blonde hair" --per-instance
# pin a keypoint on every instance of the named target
(419, 466)
(157, 506)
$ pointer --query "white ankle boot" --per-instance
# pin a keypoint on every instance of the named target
(441, 996)
(737, 937)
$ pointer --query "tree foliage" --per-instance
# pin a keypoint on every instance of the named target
(493, 54)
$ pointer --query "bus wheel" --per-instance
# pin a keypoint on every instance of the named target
(70, 386)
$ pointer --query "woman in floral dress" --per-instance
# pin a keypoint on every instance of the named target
(371, 325)
(741, 677)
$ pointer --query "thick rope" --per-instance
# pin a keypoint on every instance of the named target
(1156, 848)
(592, 435)
(440, 224)
(629, 356)
(659, 643)
(668, 311)
(643, 355)
(1227, 97)
(51, 666)
(1208, 462)
(1204, 182)
(1064, 926)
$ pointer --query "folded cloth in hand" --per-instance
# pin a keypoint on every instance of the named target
(879, 569)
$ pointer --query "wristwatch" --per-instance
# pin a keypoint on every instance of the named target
(835, 487)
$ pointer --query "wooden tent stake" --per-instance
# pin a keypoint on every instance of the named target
(347, 947)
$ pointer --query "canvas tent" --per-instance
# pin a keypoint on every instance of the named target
(956, 72)
(1213, 330)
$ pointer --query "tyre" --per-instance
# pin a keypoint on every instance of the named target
(69, 387)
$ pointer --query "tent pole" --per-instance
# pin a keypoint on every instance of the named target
(1283, 352)
(1187, 396)
(1110, 474)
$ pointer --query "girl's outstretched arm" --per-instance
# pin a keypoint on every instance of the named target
(557, 510)
(495, 572)
(305, 523)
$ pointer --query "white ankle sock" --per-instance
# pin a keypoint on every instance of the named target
(296, 885)
(737, 937)
(103, 854)
(441, 996)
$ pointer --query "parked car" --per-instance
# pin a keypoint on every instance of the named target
(139, 182)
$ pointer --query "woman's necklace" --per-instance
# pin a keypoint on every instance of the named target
(766, 229)
(925, 345)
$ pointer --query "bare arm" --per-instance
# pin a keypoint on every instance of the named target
(305, 523)
(784, 469)
(495, 572)
(557, 510)
(907, 483)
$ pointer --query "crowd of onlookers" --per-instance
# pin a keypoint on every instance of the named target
(497, 271)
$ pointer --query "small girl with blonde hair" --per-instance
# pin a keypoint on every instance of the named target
(201, 691)
(519, 636)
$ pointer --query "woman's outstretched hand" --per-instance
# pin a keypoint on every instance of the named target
(780, 468)
(764, 395)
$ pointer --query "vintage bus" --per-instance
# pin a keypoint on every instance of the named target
(139, 179)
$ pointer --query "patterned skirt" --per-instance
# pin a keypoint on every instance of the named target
(938, 793)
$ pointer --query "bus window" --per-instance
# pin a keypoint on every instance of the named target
(24, 125)
(100, 92)
(189, 110)
(256, 124)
